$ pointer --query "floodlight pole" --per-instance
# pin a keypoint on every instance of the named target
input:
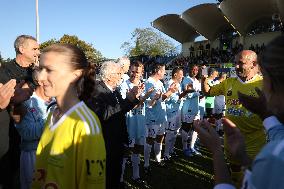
(37, 22)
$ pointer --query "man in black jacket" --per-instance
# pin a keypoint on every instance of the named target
(108, 104)
(27, 52)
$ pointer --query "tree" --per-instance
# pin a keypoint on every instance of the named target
(1, 59)
(92, 54)
(148, 42)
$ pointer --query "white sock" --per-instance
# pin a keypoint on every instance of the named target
(135, 158)
(122, 169)
(158, 151)
(168, 143)
(193, 139)
(147, 151)
(184, 137)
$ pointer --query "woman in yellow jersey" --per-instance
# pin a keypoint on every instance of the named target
(71, 152)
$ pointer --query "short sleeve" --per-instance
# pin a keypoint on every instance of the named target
(218, 89)
(91, 160)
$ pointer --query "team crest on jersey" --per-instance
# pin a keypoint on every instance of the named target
(252, 93)
(230, 92)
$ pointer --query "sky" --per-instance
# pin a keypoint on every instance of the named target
(104, 23)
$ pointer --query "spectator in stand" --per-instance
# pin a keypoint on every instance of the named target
(191, 51)
(207, 47)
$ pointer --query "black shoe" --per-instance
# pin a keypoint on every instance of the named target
(174, 154)
(122, 185)
(140, 182)
(147, 171)
(161, 164)
(168, 159)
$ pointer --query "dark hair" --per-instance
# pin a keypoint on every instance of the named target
(211, 71)
(176, 70)
(271, 61)
(190, 67)
(156, 67)
(77, 58)
(137, 63)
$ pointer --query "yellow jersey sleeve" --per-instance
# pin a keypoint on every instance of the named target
(218, 89)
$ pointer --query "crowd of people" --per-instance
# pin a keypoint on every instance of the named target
(215, 56)
(66, 123)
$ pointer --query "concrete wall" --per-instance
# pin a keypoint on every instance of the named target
(245, 40)
(260, 38)
(186, 46)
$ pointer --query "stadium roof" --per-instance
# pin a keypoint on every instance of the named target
(175, 27)
(210, 20)
(243, 13)
(207, 19)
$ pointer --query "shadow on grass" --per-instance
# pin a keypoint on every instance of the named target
(195, 172)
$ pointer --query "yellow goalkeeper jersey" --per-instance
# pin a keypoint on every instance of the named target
(249, 124)
(71, 152)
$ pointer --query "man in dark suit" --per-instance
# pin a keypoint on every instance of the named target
(108, 104)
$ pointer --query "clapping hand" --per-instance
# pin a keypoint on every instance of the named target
(22, 93)
(6, 92)
(136, 91)
(149, 92)
(17, 112)
(207, 135)
(157, 95)
(141, 88)
(173, 87)
(236, 143)
(256, 105)
(189, 87)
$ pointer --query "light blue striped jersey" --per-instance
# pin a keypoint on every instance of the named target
(135, 118)
(157, 113)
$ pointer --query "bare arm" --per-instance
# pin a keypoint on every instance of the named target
(205, 87)
(189, 89)
(211, 140)
(172, 89)
(143, 98)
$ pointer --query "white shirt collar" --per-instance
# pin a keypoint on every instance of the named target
(270, 122)
(253, 78)
(110, 88)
